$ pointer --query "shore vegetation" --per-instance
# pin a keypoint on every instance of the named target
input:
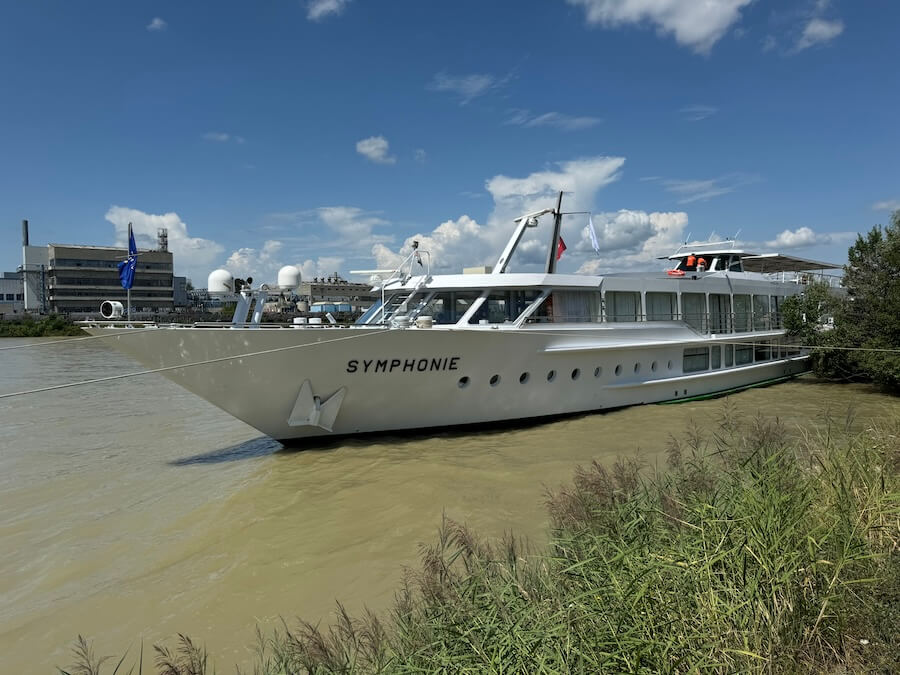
(756, 549)
(54, 325)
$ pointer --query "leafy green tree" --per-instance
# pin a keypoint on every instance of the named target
(868, 318)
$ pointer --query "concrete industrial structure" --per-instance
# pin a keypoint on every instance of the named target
(334, 289)
(12, 294)
(74, 279)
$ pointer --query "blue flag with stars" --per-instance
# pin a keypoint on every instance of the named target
(127, 266)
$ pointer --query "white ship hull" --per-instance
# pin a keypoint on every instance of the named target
(310, 382)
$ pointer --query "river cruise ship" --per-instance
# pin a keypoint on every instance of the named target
(458, 349)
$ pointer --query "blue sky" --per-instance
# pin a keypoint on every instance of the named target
(329, 133)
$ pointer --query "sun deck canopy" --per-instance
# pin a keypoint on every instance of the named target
(777, 262)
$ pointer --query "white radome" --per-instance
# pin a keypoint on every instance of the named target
(220, 281)
(289, 278)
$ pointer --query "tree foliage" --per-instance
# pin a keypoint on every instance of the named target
(868, 318)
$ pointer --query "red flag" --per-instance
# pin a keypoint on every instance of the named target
(560, 247)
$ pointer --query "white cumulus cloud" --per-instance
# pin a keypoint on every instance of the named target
(320, 9)
(632, 240)
(375, 149)
(157, 24)
(818, 31)
(697, 24)
(799, 238)
(192, 256)
(886, 205)
(463, 242)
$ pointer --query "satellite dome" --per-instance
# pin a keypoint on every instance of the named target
(289, 277)
(220, 281)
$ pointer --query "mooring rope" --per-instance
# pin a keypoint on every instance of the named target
(165, 369)
(69, 340)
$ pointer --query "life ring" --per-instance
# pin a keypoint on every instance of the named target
(675, 273)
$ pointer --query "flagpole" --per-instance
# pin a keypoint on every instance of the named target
(128, 290)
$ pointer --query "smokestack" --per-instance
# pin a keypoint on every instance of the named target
(24, 233)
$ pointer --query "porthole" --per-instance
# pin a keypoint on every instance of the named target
(669, 366)
(618, 370)
(551, 376)
(637, 368)
(576, 374)
(523, 378)
(495, 380)
(463, 382)
(598, 371)
(653, 366)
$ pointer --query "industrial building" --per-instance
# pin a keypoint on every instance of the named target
(12, 294)
(335, 290)
(74, 279)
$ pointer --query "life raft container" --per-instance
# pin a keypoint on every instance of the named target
(675, 273)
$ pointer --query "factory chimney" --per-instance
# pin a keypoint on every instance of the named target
(24, 233)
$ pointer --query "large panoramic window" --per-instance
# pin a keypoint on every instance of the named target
(743, 354)
(696, 359)
(623, 306)
(742, 313)
(760, 312)
(693, 309)
(661, 306)
(720, 313)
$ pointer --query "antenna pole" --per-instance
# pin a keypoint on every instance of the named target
(554, 241)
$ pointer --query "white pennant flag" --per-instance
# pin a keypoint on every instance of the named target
(593, 233)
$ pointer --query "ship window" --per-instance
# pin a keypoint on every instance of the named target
(463, 382)
(576, 374)
(495, 380)
(735, 265)
(462, 302)
(618, 370)
(693, 308)
(575, 306)
(623, 306)
(741, 313)
(653, 366)
(661, 306)
(716, 357)
(776, 311)
(720, 312)
(446, 307)
(523, 378)
(551, 376)
(695, 359)
(637, 368)
(743, 354)
(762, 351)
(729, 356)
(598, 371)
(760, 312)
(669, 365)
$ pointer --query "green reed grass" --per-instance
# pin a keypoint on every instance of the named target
(754, 551)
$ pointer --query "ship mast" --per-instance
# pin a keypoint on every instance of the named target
(554, 241)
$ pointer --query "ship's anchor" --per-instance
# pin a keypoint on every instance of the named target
(311, 411)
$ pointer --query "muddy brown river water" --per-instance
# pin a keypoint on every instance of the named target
(133, 510)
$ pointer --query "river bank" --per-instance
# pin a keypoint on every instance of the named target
(133, 510)
(753, 551)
